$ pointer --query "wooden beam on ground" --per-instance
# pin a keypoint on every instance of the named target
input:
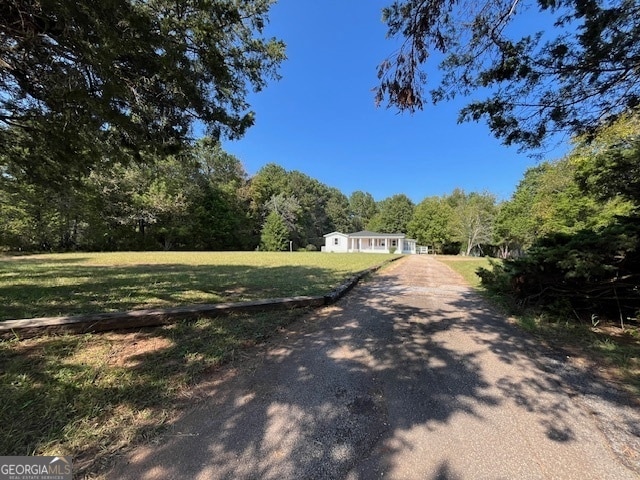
(101, 322)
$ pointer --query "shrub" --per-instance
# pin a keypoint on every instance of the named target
(590, 272)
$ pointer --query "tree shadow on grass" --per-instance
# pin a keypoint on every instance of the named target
(327, 397)
(86, 395)
(51, 387)
(71, 290)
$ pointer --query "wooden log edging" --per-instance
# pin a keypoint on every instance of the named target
(101, 322)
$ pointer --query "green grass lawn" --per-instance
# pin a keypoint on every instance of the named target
(67, 284)
(465, 266)
(89, 395)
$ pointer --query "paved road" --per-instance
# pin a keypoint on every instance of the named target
(410, 376)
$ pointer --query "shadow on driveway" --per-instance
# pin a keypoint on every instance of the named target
(393, 378)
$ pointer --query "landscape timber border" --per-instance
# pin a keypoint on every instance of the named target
(102, 322)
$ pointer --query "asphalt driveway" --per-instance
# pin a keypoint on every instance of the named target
(409, 376)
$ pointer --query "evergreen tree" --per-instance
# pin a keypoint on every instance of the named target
(568, 75)
(80, 79)
(275, 234)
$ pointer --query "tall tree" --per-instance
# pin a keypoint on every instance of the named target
(338, 213)
(609, 166)
(394, 214)
(81, 78)
(270, 180)
(288, 208)
(474, 214)
(432, 223)
(221, 215)
(145, 205)
(363, 207)
(313, 218)
(579, 68)
(216, 165)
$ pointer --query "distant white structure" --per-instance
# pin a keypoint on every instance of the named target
(368, 242)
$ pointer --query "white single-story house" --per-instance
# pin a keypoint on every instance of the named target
(368, 242)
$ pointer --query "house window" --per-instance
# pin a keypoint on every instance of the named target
(394, 243)
(336, 241)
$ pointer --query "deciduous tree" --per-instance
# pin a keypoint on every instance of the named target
(432, 223)
(473, 215)
(363, 208)
(394, 214)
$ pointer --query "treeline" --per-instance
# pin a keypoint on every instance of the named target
(204, 200)
(570, 234)
(200, 200)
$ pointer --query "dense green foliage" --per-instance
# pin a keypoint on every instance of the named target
(191, 201)
(431, 223)
(576, 229)
(201, 199)
(457, 223)
(362, 208)
(542, 66)
(82, 81)
(393, 215)
(585, 274)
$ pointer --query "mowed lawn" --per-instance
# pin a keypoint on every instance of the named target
(466, 266)
(90, 395)
(68, 284)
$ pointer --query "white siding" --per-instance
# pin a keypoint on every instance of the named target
(336, 243)
(368, 242)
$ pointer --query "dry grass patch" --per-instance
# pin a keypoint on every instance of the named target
(90, 395)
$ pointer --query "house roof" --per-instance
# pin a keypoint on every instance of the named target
(367, 233)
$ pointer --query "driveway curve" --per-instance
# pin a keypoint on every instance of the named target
(410, 376)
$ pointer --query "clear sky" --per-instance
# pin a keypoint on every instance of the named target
(321, 119)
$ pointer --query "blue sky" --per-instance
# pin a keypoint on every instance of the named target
(320, 118)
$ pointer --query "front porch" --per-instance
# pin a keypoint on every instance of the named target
(391, 244)
(373, 245)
